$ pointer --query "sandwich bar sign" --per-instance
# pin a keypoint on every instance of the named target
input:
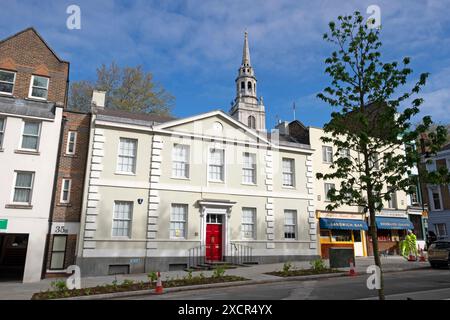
(3, 225)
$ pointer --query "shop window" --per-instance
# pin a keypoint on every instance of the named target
(325, 235)
(341, 235)
(384, 235)
(357, 236)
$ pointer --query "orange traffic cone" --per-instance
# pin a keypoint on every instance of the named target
(422, 256)
(411, 257)
(159, 288)
(352, 271)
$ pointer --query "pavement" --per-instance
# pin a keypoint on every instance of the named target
(20, 291)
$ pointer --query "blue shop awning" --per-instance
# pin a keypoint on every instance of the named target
(393, 223)
(342, 224)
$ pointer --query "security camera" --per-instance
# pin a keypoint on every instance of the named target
(140, 200)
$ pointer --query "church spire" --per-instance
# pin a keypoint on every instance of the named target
(247, 108)
(246, 52)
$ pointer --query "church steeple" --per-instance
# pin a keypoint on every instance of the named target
(247, 108)
(246, 52)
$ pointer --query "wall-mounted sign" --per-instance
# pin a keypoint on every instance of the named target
(65, 228)
(335, 215)
(3, 225)
(392, 213)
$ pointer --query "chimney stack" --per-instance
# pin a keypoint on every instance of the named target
(283, 128)
(98, 99)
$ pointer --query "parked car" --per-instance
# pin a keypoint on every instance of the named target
(439, 253)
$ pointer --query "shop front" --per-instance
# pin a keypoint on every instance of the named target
(342, 230)
(418, 217)
(391, 229)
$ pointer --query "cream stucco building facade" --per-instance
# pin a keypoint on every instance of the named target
(168, 193)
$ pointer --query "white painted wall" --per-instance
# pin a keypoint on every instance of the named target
(32, 221)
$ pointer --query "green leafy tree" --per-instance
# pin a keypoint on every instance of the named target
(129, 88)
(372, 119)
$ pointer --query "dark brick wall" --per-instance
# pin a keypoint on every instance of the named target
(72, 167)
(27, 54)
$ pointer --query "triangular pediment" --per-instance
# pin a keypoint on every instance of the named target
(214, 124)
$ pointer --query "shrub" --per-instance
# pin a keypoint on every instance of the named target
(318, 265)
(127, 282)
(189, 275)
(219, 272)
(152, 276)
(287, 266)
(59, 285)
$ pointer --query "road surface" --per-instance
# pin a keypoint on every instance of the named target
(418, 284)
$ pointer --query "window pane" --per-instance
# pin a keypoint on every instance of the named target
(178, 220)
(57, 260)
(22, 195)
(6, 76)
(39, 93)
(2, 124)
(59, 243)
(24, 179)
(31, 128)
(30, 143)
(122, 218)
(6, 87)
(127, 155)
(40, 82)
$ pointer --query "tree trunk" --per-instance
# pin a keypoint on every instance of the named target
(376, 254)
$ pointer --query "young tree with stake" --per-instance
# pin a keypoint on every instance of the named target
(373, 119)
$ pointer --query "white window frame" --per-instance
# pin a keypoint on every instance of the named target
(430, 194)
(295, 225)
(13, 83)
(374, 161)
(184, 221)
(63, 182)
(253, 224)
(2, 132)
(252, 167)
(130, 219)
(119, 155)
(30, 188)
(325, 187)
(75, 134)
(38, 135)
(185, 162)
(291, 173)
(344, 153)
(393, 203)
(436, 229)
(30, 92)
(327, 151)
(223, 165)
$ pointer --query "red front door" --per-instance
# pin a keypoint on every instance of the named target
(214, 242)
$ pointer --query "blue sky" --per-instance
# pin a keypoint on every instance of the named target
(194, 48)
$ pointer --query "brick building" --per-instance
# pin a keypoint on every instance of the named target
(33, 94)
(67, 201)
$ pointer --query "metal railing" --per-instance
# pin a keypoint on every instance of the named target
(197, 256)
(239, 253)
